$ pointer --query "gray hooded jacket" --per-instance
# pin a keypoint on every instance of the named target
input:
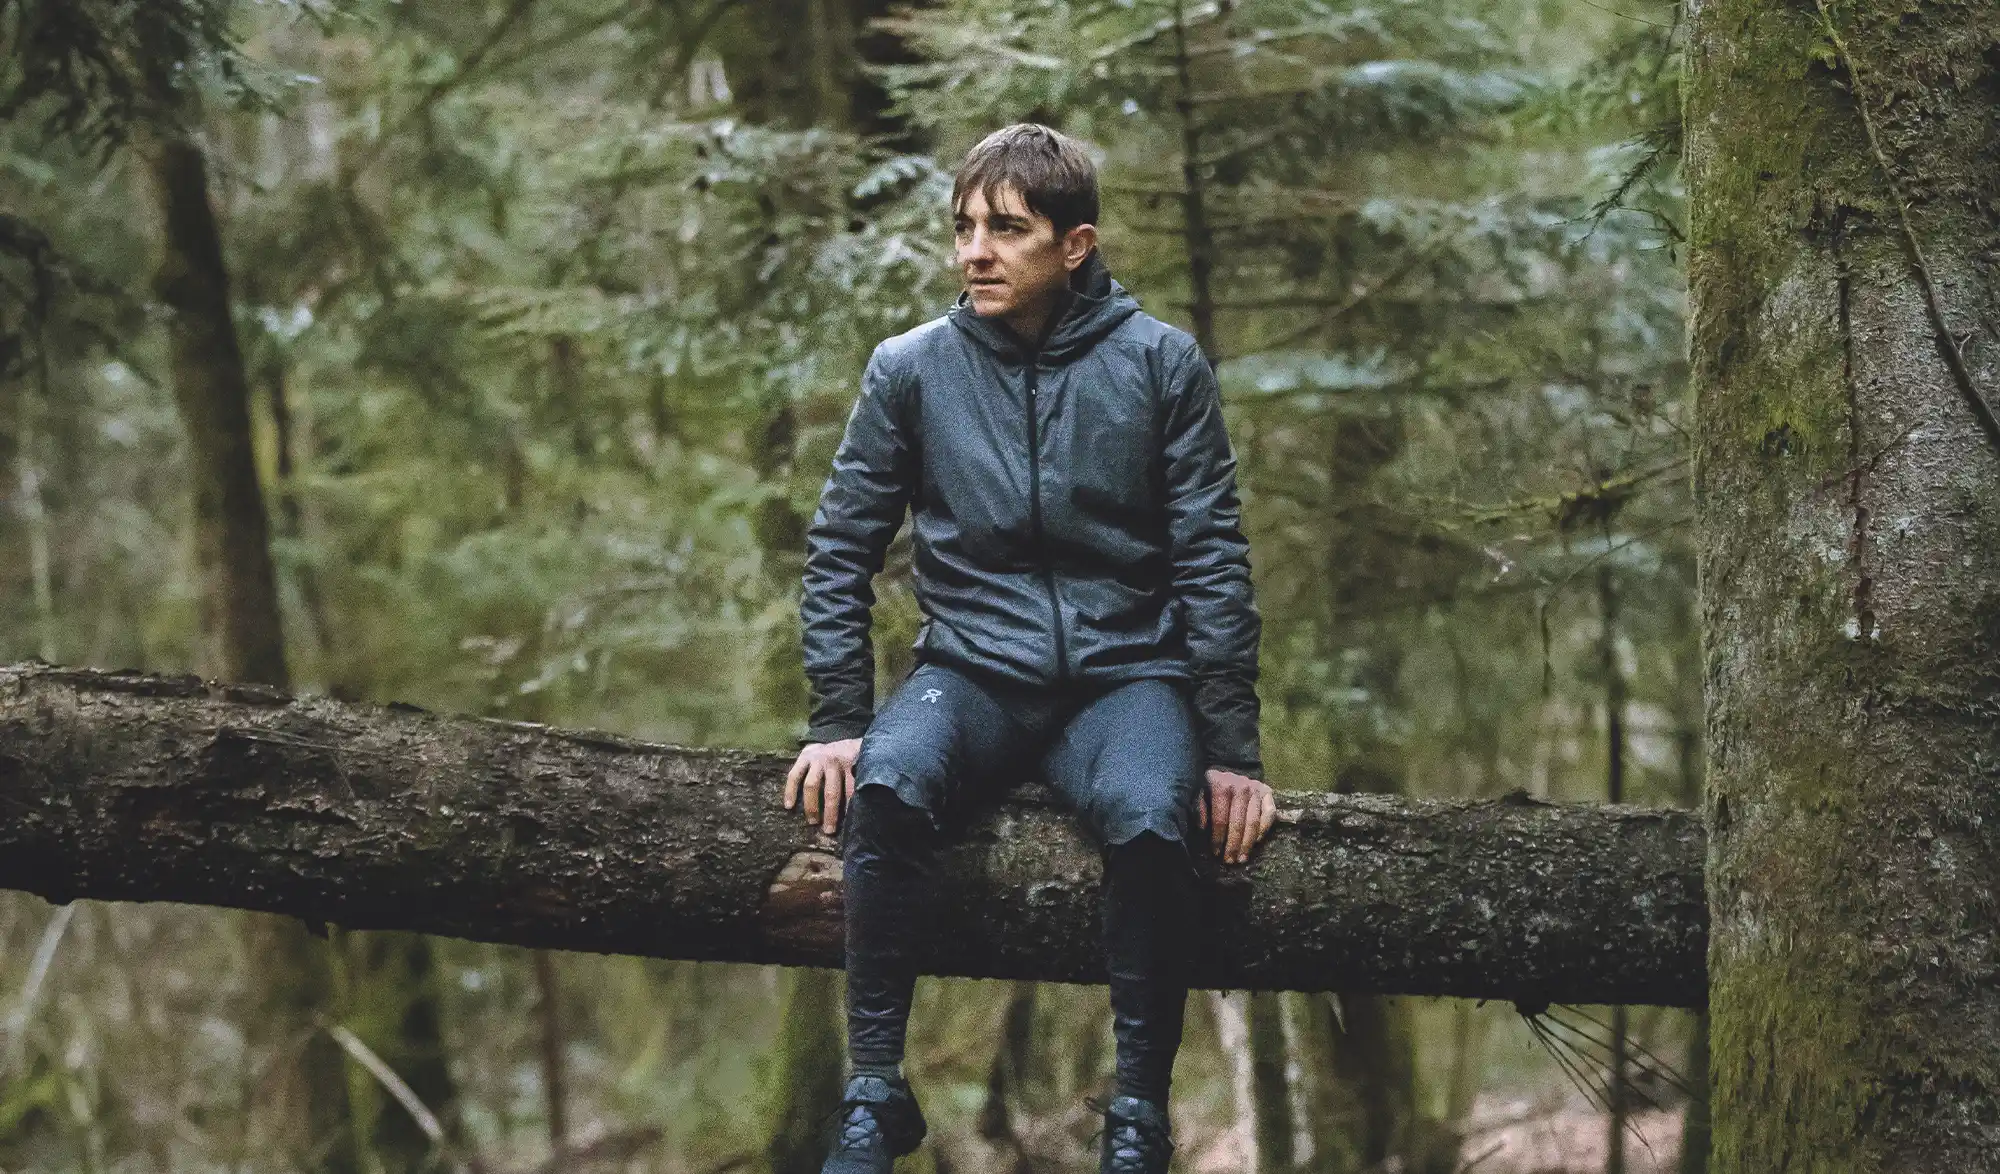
(1075, 515)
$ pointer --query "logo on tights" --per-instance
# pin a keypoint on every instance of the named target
(931, 695)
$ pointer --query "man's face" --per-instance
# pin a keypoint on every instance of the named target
(1012, 261)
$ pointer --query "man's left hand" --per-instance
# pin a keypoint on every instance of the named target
(1237, 810)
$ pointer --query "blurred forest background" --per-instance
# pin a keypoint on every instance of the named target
(489, 355)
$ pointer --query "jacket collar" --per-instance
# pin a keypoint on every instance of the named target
(1092, 306)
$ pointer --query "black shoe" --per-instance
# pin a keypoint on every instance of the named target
(879, 1122)
(1136, 1138)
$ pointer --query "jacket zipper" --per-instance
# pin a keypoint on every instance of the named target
(1035, 520)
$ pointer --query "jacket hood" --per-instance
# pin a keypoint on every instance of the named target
(1093, 306)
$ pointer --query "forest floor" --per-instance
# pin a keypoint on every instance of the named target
(1516, 1135)
(1520, 1136)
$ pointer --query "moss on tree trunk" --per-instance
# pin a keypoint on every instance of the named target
(1848, 506)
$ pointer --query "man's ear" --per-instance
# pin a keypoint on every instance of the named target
(1076, 245)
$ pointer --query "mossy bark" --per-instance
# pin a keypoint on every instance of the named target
(1848, 515)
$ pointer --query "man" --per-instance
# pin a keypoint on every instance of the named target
(1088, 617)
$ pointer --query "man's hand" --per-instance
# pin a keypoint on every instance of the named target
(1237, 810)
(825, 773)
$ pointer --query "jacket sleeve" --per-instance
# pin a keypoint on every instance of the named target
(1211, 560)
(860, 509)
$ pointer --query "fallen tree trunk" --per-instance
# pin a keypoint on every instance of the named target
(139, 788)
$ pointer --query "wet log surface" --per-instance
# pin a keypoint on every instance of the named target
(126, 787)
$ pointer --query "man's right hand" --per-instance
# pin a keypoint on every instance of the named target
(824, 775)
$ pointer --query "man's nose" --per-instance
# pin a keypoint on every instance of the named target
(977, 247)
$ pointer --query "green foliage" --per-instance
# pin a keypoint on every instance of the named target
(95, 70)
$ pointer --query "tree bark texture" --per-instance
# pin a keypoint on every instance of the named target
(128, 787)
(1841, 168)
(212, 391)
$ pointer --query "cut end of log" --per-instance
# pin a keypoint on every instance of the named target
(804, 906)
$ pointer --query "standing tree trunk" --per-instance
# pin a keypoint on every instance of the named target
(1696, 1125)
(1323, 1105)
(1232, 1035)
(1376, 1054)
(806, 1068)
(291, 524)
(240, 599)
(555, 1075)
(392, 1000)
(35, 516)
(1375, 1062)
(232, 530)
(1268, 1090)
(1270, 1080)
(1196, 234)
(1841, 177)
(1008, 1078)
(805, 1072)
(806, 63)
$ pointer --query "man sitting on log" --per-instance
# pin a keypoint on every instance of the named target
(1088, 617)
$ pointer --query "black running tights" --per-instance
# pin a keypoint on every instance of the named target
(891, 851)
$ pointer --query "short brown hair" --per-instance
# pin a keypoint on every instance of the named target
(1050, 170)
